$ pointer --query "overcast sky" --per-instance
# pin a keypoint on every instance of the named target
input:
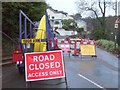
(70, 7)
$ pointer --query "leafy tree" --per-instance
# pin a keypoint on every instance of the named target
(97, 34)
(84, 5)
(94, 24)
(118, 37)
(68, 24)
(10, 15)
(79, 30)
(65, 27)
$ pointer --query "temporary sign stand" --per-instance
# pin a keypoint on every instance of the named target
(65, 76)
(44, 66)
(76, 51)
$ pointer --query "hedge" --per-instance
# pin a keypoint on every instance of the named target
(107, 45)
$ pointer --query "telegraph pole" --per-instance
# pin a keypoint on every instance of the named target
(118, 35)
(117, 26)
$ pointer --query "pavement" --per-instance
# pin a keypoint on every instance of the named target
(108, 57)
(6, 60)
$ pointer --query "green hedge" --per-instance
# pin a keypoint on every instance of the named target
(107, 45)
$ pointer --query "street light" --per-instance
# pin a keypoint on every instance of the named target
(116, 25)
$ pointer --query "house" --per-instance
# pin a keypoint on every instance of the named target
(56, 17)
(63, 32)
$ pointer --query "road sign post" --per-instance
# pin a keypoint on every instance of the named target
(116, 25)
(117, 22)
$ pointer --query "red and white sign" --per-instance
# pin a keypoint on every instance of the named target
(44, 65)
(117, 21)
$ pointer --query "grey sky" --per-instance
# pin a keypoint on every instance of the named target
(70, 7)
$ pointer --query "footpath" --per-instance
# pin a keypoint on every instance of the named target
(108, 57)
(6, 60)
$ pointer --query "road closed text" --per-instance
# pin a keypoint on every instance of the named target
(41, 65)
(44, 65)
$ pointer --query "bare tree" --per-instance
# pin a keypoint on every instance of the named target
(98, 7)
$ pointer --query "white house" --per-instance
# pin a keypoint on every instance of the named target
(56, 17)
(63, 32)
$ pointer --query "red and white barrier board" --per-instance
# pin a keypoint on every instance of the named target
(44, 65)
(65, 47)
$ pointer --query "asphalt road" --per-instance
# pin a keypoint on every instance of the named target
(91, 73)
(81, 72)
(85, 72)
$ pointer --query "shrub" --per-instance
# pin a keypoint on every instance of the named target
(98, 34)
(107, 45)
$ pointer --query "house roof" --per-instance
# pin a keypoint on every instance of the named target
(56, 11)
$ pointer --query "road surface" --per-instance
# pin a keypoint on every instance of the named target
(85, 72)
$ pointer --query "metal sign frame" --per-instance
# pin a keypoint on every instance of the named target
(23, 31)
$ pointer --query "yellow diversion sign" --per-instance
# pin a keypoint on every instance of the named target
(27, 41)
(88, 49)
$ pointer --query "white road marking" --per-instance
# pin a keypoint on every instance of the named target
(91, 81)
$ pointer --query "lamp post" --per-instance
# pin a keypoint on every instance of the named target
(116, 25)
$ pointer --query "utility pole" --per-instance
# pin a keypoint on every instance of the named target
(116, 19)
(116, 8)
(118, 35)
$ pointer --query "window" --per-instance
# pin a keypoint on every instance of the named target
(53, 17)
(56, 22)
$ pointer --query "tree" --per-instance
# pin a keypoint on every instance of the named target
(102, 5)
(10, 15)
(68, 24)
(79, 30)
(118, 37)
(97, 34)
(77, 16)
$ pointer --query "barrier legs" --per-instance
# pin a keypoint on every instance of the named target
(76, 52)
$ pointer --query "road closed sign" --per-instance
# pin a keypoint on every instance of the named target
(44, 65)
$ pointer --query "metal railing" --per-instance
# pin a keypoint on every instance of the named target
(24, 32)
(8, 44)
